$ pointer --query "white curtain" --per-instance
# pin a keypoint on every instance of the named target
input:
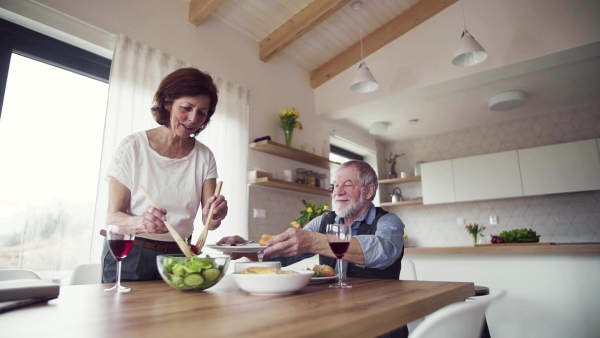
(136, 72)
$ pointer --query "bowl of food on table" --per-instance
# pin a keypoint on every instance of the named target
(265, 280)
(195, 273)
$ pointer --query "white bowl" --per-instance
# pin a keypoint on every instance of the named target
(279, 284)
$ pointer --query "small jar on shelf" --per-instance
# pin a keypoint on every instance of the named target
(323, 181)
(310, 178)
(301, 175)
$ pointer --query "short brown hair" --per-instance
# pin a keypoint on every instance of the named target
(180, 83)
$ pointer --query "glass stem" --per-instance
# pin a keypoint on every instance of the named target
(340, 271)
(118, 274)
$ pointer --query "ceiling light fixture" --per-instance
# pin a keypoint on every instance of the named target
(469, 52)
(378, 128)
(364, 81)
(507, 100)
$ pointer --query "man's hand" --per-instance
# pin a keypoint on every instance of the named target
(291, 242)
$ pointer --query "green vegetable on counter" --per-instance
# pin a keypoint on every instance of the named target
(519, 235)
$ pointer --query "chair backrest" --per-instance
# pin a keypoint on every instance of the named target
(408, 271)
(458, 320)
(86, 274)
(9, 274)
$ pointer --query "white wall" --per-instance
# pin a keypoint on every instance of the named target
(548, 295)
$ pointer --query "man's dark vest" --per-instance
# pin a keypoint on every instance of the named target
(391, 272)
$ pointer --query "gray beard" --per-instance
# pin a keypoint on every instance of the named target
(352, 210)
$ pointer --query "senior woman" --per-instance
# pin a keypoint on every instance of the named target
(179, 171)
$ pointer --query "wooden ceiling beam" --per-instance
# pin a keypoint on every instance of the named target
(297, 26)
(201, 9)
(387, 33)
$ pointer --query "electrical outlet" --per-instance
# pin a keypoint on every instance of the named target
(460, 221)
(260, 213)
(493, 220)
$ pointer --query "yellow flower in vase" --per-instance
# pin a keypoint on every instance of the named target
(289, 122)
(310, 212)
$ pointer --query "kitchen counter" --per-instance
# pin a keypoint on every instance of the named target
(521, 248)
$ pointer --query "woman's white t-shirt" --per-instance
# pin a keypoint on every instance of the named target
(175, 184)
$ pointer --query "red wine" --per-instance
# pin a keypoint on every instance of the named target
(120, 248)
(339, 248)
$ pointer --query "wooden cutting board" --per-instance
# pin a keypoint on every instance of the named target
(520, 244)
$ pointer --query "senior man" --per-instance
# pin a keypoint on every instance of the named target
(377, 244)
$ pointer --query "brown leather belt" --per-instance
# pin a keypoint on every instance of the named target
(151, 244)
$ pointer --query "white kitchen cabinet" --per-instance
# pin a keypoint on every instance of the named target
(484, 177)
(437, 182)
(560, 168)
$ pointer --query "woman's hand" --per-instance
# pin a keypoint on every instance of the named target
(219, 213)
(153, 221)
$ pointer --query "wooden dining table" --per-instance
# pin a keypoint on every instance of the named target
(154, 309)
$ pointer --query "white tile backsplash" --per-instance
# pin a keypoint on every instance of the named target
(282, 208)
(561, 218)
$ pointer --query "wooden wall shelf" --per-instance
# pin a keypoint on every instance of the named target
(290, 186)
(589, 248)
(390, 204)
(281, 150)
(400, 180)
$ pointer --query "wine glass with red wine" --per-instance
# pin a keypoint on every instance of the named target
(339, 236)
(120, 240)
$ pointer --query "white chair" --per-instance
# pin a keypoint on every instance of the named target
(86, 274)
(10, 274)
(458, 320)
(409, 272)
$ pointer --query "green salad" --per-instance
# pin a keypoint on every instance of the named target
(192, 273)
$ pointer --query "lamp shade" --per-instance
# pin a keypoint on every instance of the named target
(507, 100)
(378, 128)
(469, 52)
(364, 82)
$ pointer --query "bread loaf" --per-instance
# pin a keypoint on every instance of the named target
(264, 239)
(324, 270)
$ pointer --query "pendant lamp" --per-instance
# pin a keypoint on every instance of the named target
(469, 52)
(364, 81)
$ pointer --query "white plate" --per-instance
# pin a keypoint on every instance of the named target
(273, 285)
(252, 247)
(319, 280)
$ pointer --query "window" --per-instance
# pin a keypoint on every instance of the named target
(340, 155)
(51, 126)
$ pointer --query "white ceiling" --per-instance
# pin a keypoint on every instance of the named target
(557, 71)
